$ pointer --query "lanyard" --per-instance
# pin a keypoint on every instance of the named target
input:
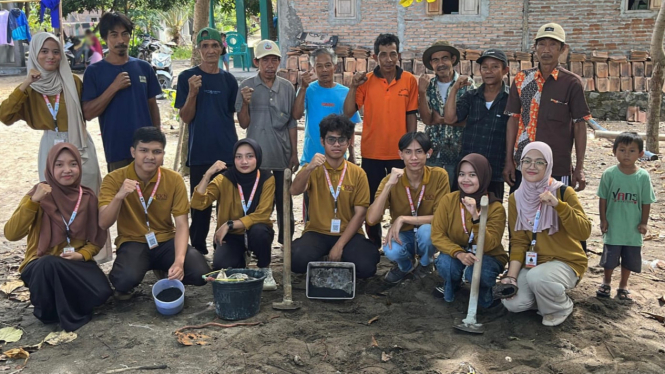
(334, 194)
(463, 213)
(54, 112)
(71, 219)
(414, 211)
(245, 207)
(154, 190)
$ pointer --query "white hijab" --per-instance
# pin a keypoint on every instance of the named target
(54, 82)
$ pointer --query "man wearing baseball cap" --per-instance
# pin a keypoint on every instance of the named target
(483, 110)
(264, 105)
(433, 93)
(206, 98)
(547, 104)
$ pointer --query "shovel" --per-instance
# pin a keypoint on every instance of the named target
(469, 324)
(287, 302)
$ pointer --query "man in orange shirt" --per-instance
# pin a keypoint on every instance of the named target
(389, 96)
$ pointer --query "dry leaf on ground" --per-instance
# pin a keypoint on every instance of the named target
(10, 334)
(57, 338)
(22, 296)
(10, 286)
(192, 338)
(374, 342)
(385, 357)
(373, 320)
(17, 353)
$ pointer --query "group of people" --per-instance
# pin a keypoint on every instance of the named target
(432, 183)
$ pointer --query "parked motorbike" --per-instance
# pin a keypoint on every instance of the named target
(75, 51)
(158, 55)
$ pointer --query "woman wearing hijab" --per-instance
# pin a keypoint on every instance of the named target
(455, 231)
(245, 199)
(59, 217)
(49, 100)
(547, 225)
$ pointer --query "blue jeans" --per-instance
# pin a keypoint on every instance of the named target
(404, 254)
(451, 270)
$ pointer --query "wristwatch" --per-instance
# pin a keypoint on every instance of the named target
(230, 224)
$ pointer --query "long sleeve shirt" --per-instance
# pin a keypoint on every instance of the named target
(229, 205)
(449, 236)
(564, 245)
(27, 221)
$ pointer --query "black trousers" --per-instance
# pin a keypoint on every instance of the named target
(313, 246)
(65, 291)
(200, 226)
(118, 164)
(376, 170)
(231, 254)
(134, 259)
(279, 204)
(498, 188)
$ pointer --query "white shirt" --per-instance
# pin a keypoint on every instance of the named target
(443, 89)
(488, 104)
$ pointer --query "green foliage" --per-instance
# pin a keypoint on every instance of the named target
(182, 53)
(229, 6)
(33, 20)
(70, 6)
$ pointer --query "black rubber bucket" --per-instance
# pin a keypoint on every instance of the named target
(238, 300)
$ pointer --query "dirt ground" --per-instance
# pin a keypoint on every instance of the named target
(413, 333)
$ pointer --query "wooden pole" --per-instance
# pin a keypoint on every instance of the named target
(657, 80)
(614, 134)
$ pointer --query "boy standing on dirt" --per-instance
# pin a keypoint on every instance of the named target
(626, 195)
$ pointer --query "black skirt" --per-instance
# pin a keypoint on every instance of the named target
(65, 291)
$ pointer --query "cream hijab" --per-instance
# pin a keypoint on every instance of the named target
(54, 82)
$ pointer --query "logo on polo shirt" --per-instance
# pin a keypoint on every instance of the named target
(403, 92)
(161, 196)
(429, 197)
(348, 188)
(331, 105)
(143, 79)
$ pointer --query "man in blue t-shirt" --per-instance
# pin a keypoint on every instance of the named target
(121, 91)
(318, 100)
(206, 98)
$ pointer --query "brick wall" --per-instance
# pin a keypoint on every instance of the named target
(590, 24)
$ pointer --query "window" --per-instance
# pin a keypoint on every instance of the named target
(345, 9)
(454, 7)
(632, 5)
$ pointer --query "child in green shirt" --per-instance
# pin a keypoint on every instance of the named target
(626, 195)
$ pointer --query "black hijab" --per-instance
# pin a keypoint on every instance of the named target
(484, 173)
(246, 181)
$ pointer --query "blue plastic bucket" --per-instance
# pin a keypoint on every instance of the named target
(168, 308)
(238, 300)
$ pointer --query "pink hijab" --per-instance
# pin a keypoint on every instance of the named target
(527, 196)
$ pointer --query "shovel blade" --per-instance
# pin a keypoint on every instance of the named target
(475, 328)
(286, 305)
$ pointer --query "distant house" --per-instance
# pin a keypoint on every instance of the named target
(607, 25)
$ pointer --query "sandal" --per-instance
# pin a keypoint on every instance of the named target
(624, 295)
(604, 290)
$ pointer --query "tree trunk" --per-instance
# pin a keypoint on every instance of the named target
(657, 80)
(201, 12)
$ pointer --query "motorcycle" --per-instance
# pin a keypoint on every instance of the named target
(158, 55)
(76, 53)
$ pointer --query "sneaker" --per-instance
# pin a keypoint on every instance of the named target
(396, 275)
(269, 283)
(556, 319)
(439, 290)
(422, 271)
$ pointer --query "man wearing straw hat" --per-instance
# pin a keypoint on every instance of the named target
(440, 57)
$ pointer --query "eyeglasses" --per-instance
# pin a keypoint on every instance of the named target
(526, 163)
(341, 140)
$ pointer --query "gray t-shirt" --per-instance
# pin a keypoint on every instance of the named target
(270, 119)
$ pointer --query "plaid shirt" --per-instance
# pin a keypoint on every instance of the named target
(485, 130)
(446, 140)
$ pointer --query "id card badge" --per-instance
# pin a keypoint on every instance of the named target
(68, 249)
(472, 249)
(57, 141)
(531, 260)
(335, 226)
(152, 240)
(59, 138)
